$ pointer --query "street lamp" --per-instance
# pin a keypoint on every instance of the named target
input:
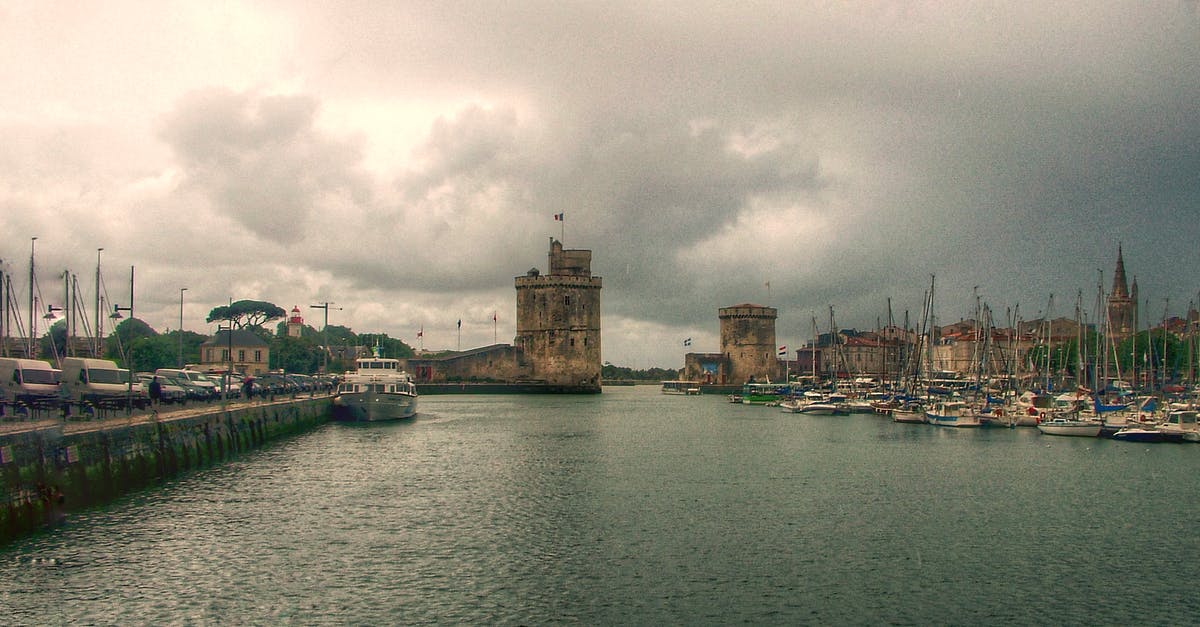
(325, 335)
(181, 291)
(116, 315)
(229, 360)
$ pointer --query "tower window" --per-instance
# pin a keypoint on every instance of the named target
(572, 341)
(567, 301)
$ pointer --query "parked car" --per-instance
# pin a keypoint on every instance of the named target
(171, 393)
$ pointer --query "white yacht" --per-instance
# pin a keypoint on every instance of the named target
(377, 390)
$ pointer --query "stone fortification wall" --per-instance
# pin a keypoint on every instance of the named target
(748, 338)
(49, 471)
(500, 362)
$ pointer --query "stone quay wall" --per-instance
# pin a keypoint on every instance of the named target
(48, 470)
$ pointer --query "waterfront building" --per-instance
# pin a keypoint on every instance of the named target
(249, 353)
(558, 321)
(748, 342)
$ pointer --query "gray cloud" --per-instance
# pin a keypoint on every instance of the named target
(844, 153)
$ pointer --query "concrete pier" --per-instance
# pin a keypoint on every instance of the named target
(52, 467)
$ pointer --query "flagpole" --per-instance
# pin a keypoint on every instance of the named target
(495, 329)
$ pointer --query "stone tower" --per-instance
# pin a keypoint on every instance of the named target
(1122, 303)
(748, 341)
(558, 321)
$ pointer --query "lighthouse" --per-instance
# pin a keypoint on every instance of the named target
(295, 324)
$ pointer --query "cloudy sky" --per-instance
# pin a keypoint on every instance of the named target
(403, 160)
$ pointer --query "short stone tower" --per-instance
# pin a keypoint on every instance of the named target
(558, 321)
(748, 341)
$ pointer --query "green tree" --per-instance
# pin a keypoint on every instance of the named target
(54, 342)
(246, 313)
(295, 354)
(1150, 353)
(118, 343)
(150, 353)
(388, 347)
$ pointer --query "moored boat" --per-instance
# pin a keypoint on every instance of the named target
(1070, 426)
(684, 388)
(952, 414)
(377, 390)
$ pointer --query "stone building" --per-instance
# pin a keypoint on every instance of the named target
(250, 354)
(748, 339)
(1122, 303)
(558, 321)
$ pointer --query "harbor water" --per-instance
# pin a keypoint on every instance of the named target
(633, 507)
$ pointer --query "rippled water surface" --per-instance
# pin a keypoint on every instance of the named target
(635, 508)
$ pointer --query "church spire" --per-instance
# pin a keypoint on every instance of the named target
(1120, 288)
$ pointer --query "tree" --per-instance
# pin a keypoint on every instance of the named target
(117, 345)
(388, 347)
(246, 313)
(54, 343)
(295, 354)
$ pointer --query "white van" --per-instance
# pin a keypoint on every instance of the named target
(28, 382)
(97, 382)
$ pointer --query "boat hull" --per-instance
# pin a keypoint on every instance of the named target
(824, 409)
(951, 421)
(374, 406)
(1085, 430)
(1146, 435)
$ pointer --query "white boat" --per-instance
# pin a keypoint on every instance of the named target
(1182, 423)
(909, 412)
(377, 390)
(831, 405)
(1071, 426)
(952, 414)
(683, 388)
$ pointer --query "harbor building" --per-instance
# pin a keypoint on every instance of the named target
(557, 346)
(1122, 303)
(748, 339)
(558, 321)
(747, 349)
(241, 348)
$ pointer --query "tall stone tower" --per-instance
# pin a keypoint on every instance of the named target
(558, 321)
(748, 340)
(1122, 303)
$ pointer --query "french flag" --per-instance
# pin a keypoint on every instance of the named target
(558, 217)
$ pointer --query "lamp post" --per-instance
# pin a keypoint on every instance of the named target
(229, 360)
(116, 315)
(181, 291)
(32, 280)
(325, 335)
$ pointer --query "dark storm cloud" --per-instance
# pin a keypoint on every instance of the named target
(844, 152)
(259, 159)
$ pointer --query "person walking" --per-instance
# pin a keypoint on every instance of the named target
(248, 387)
(155, 391)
